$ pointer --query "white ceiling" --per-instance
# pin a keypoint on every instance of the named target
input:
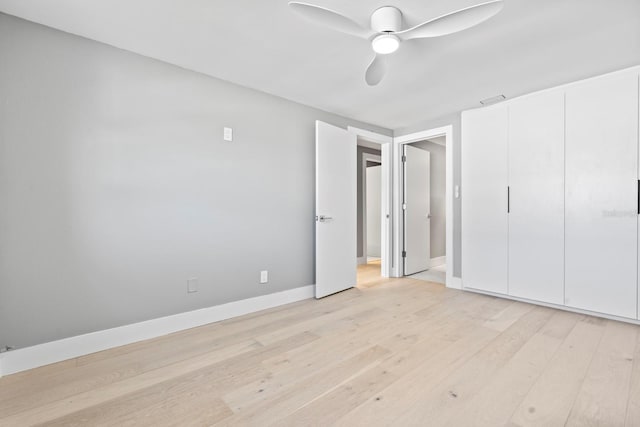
(530, 45)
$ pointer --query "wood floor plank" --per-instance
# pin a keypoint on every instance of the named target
(390, 352)
(391, 402)
(633, 404)
(602, 400)
(448, 398)
(329, 408)
(496, 401)
(289, 369)
(551, 398)
(171, 349)
(507, 317)
(399, 333)
(321, 383)
(145, 389)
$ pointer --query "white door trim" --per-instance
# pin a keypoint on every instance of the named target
(398, 142)
(388, 266)
(363, 176)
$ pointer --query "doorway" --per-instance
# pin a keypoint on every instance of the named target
(439, 143)
(374, 237)
(424, 211)
(370, 212)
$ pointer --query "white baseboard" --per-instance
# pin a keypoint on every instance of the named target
(26, 358)
(362, 260)
(556, 306)
(438, 261)
(454, 282)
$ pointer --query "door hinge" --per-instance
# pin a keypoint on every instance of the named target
(404, 254)
(404, 206)
(404, 159)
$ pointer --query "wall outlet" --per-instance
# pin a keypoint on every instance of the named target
(264, 276)
(192, 285)
(228, 134)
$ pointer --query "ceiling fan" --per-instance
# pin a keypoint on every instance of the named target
(386, 33)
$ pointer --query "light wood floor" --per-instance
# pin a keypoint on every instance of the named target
(391, 352)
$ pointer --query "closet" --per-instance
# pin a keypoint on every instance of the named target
(550, 196)
(602, 195)
(536, 193)
(484, 210)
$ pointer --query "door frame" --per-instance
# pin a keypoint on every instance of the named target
(373, 158)
(398, 226)
(385, 144)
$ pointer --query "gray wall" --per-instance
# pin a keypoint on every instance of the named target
(116, 186)
(438, 175)
(454, 120)
(360, 190)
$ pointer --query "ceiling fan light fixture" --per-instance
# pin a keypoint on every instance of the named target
(385, 44)
(386, 33)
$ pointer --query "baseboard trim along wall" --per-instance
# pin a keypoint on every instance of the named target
(454, 283)
(68, 348)
(438, 261)
(556, 306)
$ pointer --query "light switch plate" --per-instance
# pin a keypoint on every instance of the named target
(192, 285)
(228, 134)
(264, 276)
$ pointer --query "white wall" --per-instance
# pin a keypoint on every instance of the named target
(374, 200)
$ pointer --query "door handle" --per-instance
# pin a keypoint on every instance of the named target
(428, 216)
(323, 218)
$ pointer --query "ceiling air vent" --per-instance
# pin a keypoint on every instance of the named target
(493, 100)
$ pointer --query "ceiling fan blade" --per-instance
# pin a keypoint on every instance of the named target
(376, 70)
(454, 22)
(329, 18)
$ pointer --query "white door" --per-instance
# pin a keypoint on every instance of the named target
(417, 210)
(536, 183)
(484, 190)
(336, 211)
(601, 195)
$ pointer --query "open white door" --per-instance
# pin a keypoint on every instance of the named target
(336, 209)
(417, 210)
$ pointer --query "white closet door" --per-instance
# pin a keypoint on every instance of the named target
(536, 183)
(601, 195)
(484, 199)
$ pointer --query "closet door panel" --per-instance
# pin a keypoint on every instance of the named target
(484, 199)
(536, 182)
(601, 195)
